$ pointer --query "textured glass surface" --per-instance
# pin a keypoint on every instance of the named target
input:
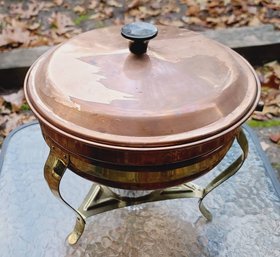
(33, 223)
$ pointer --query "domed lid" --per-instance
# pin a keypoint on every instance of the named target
(186, 87)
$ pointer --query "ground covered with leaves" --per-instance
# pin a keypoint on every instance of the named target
(34, 23)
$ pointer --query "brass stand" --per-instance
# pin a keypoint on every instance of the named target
(101, 199)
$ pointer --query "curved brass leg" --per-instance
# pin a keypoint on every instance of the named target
(77, 231)
(204, 211)
(226, 174)
(101, 199)
(54, 170)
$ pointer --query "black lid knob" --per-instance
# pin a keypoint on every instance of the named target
(140, 33)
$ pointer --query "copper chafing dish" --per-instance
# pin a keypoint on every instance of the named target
(143, 117)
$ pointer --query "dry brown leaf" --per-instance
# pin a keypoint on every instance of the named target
(213, 21)
(133, 4)
(156, 5)
(272, 109)
(48, 5)
(3, 121)
(14, 37)
(118, 21)
(252, 9)
(26, 11)
(269, 94)
(61, 23)
(260, 116)
(148, 11)
(193, 10)
(79, 9)
(275, 138)
(272, 82)
(275, 66)
(231, 19)
(217, 11)
(275, 101)
(170, 7)
(58, 2)
(194, 20)
(254, 21)
(10, 122)
(15, 99)
(93, 4)
(214, 3)
(169, 22)
(114, 3)
(34, 26)
(97, 16)
(4, 109)
(134, 13)
(108, 11)
(1, 100)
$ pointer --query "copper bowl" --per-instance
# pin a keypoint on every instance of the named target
(141, 120)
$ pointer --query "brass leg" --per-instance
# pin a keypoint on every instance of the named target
(77, 232)
(204, 211)
(54, 170)
(226, 174)
(101, 199)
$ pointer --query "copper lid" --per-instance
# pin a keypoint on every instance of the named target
(185, 88)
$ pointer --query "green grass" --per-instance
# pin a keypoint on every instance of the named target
(263, 124)
(81, 18)
(25, 107)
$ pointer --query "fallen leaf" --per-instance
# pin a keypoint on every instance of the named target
(260, 116)
(93, 4)
(133, 4)
(14, 37)
(231, 20)
(149, 11)
(15, 99)
(252, 9)
(169, 22)
(194, 20)
(61, 23)
(34, 26)
(275, 101)
(193, 10)
(275, 138)
(26, 11)
(272, 109)
(170, 7)
(214, 3)
(3, 121)
(58, 2)
(275, 66)
(8, 123)
(97, 16)
(48, 5)
(79, 9)
(155, 5)
(255, 21)
(108, 11)
(114, 3)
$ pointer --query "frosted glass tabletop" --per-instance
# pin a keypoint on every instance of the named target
(33, 223)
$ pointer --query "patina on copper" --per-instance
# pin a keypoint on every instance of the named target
(180, 103)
